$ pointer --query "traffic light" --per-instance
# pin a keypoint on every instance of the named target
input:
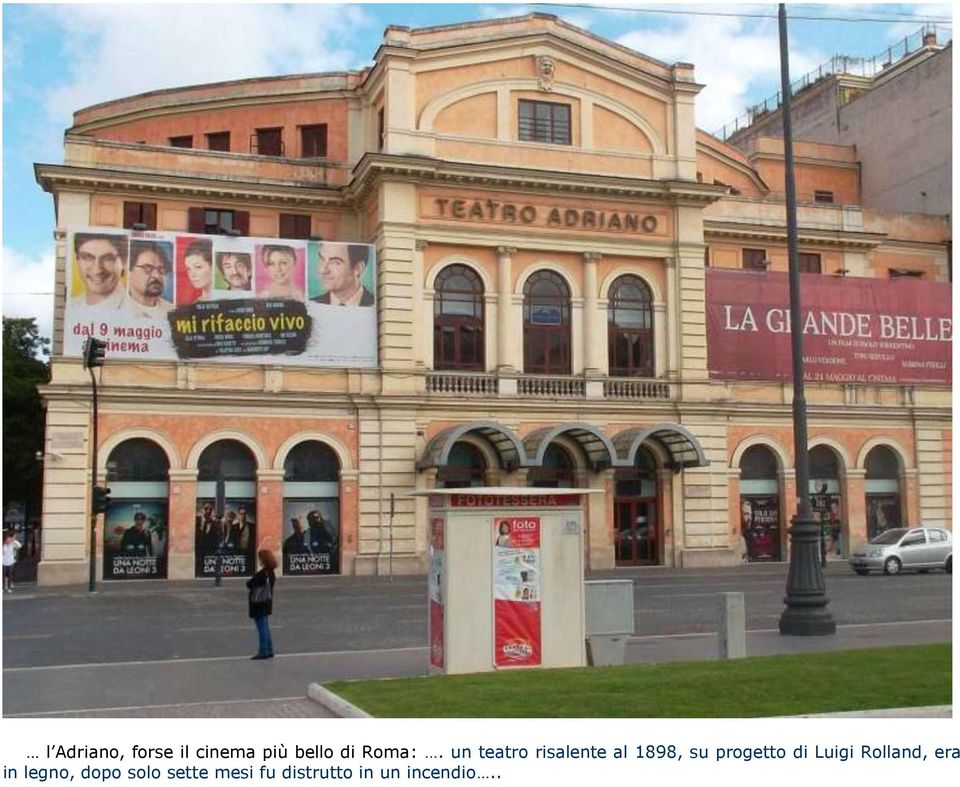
(94, 351)
(101, 498)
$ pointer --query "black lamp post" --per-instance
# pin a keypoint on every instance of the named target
(806, 612)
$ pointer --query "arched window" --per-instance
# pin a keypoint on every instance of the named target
(311, 510)
(546, 324)
(630, 328)
(760, 504)
(825, 498)
(458, 319)
(138, 460)
(136, 527)
(465, 467)
(311, 461)
(882, 487)
(226, 535)
(556, 471)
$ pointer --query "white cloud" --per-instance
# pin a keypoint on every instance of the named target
(731, 56)
(28, 287)
(122, 50)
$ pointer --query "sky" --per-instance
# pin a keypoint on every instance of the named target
(60, 58)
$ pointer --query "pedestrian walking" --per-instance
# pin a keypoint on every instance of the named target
(10, 548)
(260, 586)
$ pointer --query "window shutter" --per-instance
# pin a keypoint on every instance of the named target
(149, 215)
(195, 221)
(288, 225)
(241, 221)
(131, 214)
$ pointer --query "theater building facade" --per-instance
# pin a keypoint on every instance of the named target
(571, 286)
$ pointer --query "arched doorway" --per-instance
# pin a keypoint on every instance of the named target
(311, 510)
(760, 504)
(636, 526)
(557, 470)
(825, 497)
(136, 528)
(226, 533)
(465, 467)
(882, 490)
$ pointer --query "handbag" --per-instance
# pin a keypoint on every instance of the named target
(261, 593)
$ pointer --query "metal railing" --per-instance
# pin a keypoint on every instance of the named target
(838, 64)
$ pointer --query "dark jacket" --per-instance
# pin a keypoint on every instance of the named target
(259, 609)
(366, 299)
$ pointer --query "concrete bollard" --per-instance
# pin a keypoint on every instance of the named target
(733, 626)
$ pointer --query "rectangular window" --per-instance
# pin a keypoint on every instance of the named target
(823, 196)
(219, 141)
(295, 226)
(269, 141)
(181, 142)
(217, 221)
(544, 121)
(754, 260)
(904, 273)
(140, 213)
(808, 263)
(313, 141)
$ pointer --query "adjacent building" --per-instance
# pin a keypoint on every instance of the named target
(557, 281)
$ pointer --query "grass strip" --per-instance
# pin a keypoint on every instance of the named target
(823, 682)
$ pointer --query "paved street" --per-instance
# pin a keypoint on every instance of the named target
(179, 648)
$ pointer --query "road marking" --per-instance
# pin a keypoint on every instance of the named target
(211, 658)
(150, 707)
(28, 636)
(694, 634)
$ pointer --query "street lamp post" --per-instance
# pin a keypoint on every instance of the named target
(806, 612)
(94, 352)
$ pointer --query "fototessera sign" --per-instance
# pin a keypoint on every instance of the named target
(856, 330)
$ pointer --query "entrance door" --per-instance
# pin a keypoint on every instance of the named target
(635, 539)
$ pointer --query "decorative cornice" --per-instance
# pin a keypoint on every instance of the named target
(375, 167)
(713, 228)
(54, 177)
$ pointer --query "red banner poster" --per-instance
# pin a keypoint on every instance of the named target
(516, 588)
(435, 591)
(855, 330)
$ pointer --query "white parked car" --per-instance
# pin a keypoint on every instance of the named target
(905, 549)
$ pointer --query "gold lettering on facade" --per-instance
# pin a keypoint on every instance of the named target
(571, 218)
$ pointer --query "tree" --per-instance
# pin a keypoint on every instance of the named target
(25, 366)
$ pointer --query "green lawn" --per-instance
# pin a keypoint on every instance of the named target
(848, 680)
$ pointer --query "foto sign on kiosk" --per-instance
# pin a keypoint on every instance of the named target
(505, 583)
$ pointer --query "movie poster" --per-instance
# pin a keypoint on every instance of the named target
(311, 537)
(226, 542)
(760, 526)
(182, 297)
(826, 506)
(883, 512)
(435, 592)
(135, 540)
(516, 591)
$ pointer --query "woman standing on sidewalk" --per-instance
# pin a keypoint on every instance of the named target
(260, 586)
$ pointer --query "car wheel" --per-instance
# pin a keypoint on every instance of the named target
(862, 571)
(949, 565)
(892, 566)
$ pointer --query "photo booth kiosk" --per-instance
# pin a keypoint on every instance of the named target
(505, 578)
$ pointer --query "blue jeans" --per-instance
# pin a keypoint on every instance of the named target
(263, 635)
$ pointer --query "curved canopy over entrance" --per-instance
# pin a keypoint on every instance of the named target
(596, 446)
(505, 443)
(679, 443)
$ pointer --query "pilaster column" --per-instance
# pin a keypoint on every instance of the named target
(854, 506)
(181, 535)
(422, 317)
(592, 326)
(349, 508)
(270, 510)
(506, 328)
(665, 326)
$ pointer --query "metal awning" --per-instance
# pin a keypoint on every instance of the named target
(503, 440)
(680, 444)
(596, 446)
